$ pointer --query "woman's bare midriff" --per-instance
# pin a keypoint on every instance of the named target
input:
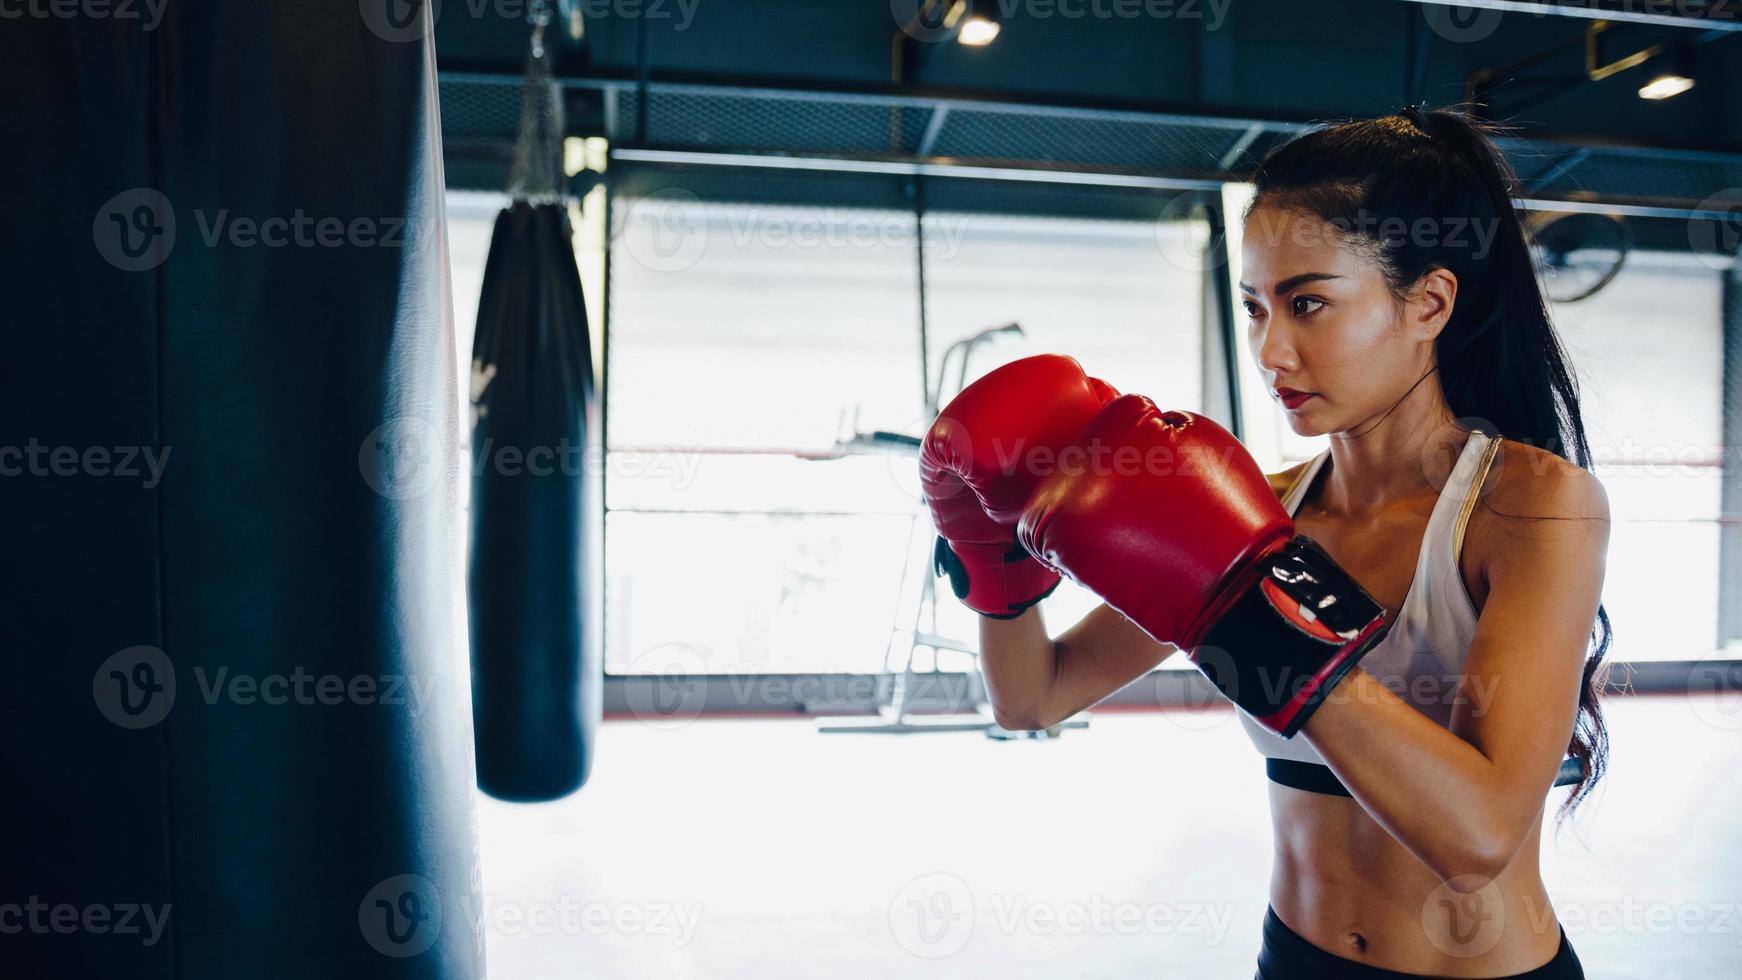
(1347, 886)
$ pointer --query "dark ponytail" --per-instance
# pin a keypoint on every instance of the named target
(1387, 180)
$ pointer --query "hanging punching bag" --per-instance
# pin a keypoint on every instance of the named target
(236, 719)
(533, 578)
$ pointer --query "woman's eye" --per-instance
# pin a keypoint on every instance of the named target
(1251, 308)
(1301, 309)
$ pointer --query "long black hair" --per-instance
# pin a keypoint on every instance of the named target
(1426, 189)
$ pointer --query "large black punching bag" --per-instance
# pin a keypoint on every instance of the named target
(237, 730)
(536, 510)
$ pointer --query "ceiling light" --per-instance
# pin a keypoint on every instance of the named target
(1676, 78)
(978, 31)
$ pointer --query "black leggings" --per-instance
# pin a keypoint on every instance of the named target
(1285, 955)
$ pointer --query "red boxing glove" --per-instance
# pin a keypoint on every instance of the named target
(1173, 524)
(981, 459)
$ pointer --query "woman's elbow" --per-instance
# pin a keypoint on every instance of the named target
(1024, 715)
(1019, 720)
(1477, 858)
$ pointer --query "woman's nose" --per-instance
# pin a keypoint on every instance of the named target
(1275, 349)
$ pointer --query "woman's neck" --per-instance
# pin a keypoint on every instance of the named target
(1393, 455)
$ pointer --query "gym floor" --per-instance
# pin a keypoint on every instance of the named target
(1136, 847)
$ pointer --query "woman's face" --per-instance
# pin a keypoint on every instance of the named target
(1323, 320)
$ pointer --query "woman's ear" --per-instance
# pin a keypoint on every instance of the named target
(1428, 308)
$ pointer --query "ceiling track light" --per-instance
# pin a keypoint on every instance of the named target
(1675, 77)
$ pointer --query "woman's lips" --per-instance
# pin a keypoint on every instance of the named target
(1292, 399)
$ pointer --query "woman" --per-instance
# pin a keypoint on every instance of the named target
(1393, 306)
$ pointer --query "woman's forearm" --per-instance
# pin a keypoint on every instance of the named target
(1019, 662)
(1035, 681)
(1434, 792)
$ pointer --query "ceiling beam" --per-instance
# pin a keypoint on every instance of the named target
(1610, 10)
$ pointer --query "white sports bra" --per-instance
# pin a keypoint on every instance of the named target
(1421, 658)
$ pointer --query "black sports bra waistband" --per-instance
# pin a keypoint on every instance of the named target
(1315, 778)
(1309, 776)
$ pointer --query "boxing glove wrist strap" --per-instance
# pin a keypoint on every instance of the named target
(1293, 632)
(999, 582)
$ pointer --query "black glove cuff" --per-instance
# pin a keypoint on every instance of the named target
(1292, 635)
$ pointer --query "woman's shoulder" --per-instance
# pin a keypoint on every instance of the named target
(1281, 482)
(1532, 480)
(1528, 495)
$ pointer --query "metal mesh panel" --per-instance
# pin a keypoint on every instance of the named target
(1681, 235)
(812, 125)
(479, 115)
(1057, 200)
(477, 171)
(879, 126)
(481, 110)
(1124, 143)
(1621, 173)
(1635, 175)
(750, 185)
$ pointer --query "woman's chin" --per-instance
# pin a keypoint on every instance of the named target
(1303, 425)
